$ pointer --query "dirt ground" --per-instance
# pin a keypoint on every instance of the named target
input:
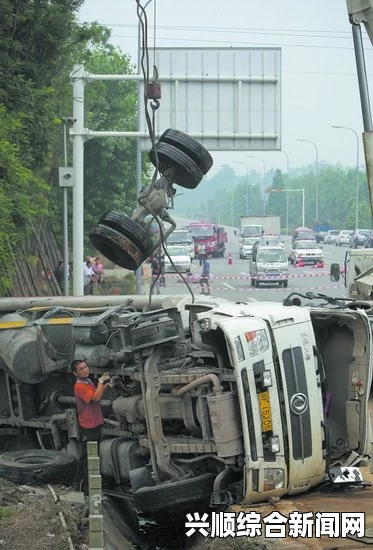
(30, 519)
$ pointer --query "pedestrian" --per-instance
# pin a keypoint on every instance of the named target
(89, 277)
(155, 266)
(201, 253)
(98, 269)
(58, 274)
(90, 417)
(205, 275)
(163, 269)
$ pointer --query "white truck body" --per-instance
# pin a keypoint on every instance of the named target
(211, 401)
(270, 224)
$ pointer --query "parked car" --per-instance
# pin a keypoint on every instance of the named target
(359, 237)
(343, 237)
(331, 236)
(369, 240)
(246, 247)
(180, 258)
(306, 251)
(320, 236)
(269, 264)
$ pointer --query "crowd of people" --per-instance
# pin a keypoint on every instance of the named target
(93, 273)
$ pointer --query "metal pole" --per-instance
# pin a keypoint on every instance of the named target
(303, 208)
(287, 212)
(78, 77)
(65, 223)
(357, 171)
(263, 184)
(362, 78)
(247, 184)
(287, 161)
(317, 176)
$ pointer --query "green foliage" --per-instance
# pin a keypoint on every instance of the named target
(6, 512)
(110, 163)
(22, 195)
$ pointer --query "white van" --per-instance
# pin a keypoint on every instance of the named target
(269, 264)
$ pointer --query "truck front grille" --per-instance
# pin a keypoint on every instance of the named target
(300, 418)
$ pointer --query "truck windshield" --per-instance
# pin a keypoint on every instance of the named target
(271, 256)
(176, 238)
(202, 231)
(255, 230)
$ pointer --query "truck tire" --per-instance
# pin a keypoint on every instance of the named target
(36, 466)
(285, 283)
(171, 495)
(187, 173)
(190, 147)
(256, 283)
(118, 248)
(126, 226)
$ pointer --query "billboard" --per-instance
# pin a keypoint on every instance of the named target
(227, 98)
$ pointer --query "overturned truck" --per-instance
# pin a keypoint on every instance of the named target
(210, 402)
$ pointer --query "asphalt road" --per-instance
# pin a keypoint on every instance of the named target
(232, 281)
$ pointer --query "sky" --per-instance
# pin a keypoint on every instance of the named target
(319, 81)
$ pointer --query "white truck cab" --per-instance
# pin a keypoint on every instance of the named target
(357, 272)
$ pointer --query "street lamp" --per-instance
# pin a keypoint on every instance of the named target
(264, 175)
(317, 176)
(247, 183)
(357, 171)
(287, 161)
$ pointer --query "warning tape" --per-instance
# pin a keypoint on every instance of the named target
(246, 277)
(260, 289)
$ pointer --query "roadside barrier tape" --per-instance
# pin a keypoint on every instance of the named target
(262, 288)
(246, 277)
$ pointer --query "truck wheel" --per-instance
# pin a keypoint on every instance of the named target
(285, 283)
(170, 495)
(252, 281)
(187, 173)
(126, 226)
(37, 466)
(118, 248)
(256, 283)
(190, 147)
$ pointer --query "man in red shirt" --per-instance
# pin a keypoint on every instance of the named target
(90, 417)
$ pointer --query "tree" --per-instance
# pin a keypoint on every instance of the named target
(22, 195)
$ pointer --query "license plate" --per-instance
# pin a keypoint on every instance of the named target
(265, 408)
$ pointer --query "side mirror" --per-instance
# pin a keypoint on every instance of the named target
(335, 272)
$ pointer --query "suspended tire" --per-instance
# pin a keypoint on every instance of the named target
(127, 227)
(187, 173)
(118, 248)
(37, 466)
(171, 495)
(190, 147)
